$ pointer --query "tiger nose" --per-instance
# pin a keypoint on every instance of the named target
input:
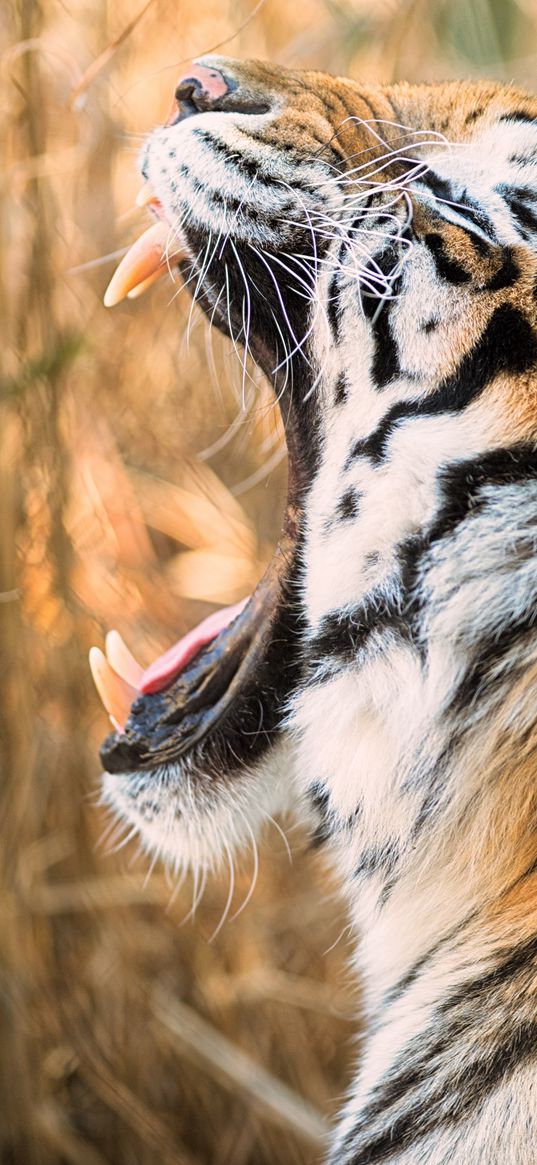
(198, 91)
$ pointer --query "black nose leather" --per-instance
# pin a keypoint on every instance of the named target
(203, 88)
(198, 91)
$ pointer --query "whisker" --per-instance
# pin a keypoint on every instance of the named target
(99, 262)
(259, 474)
(255, 874)
(229, 898)
(246, 322)
(282, 835)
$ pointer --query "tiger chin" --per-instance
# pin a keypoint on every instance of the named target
(375, 250)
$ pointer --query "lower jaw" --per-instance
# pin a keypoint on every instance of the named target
(224, 709)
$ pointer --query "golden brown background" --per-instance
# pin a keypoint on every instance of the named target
(135, 492)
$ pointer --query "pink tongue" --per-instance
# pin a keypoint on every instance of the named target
(167, 666)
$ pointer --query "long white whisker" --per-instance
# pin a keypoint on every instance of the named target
(278, 293)
(111, 827)
(152, 865)
(255, 873)
(176, 889)
(195, 888)
(229, 898)
(205, 263)
(246, 322)
(282, 835)
(259, 474)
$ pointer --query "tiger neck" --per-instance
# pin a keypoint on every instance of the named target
(374, 742)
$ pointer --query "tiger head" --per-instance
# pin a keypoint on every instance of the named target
(373, 249)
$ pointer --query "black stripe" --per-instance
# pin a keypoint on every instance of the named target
(380, 270)
(496, 1007)
(464, 488)
(247, 164)
(526, 218)
(507, 345)
(462, 199)
(479, 216)
(248, 210)
(437, 185)
(463, 482)
(320, 799)
(377, 858)
(333, 308)
(447, 267)
(377, 308)
(434, 781)
(250, 164)
(512, 962)
(526, 159)
(386, 366)
(409, 978)
(486, 670)
(341, 390)
(474, 115)
(430, 1111)
(517, 199)
(348, 506)
(212, 196)
(343, 634)
(506, 275)
(519, 115)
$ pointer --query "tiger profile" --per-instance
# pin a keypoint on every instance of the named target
(374, 249)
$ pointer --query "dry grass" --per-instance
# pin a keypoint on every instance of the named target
(126, 1036)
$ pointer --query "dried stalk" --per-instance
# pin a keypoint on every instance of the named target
(200, 1040)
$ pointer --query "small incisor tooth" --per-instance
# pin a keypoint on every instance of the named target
(122, 660)
(145, 195)
(116, 694)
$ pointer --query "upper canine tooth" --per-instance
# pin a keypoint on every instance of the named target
(146, 256)
(142, 287)
(122, 660)
(145, 195)
(116, 694)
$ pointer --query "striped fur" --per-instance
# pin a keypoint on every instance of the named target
(406, 329)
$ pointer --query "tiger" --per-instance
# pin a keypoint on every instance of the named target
(373, 249)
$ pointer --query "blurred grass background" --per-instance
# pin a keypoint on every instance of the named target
(136, 491)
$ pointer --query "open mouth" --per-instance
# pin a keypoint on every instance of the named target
(224, 684)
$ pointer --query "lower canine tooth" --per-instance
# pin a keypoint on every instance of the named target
(116, 694)
(121, 660)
